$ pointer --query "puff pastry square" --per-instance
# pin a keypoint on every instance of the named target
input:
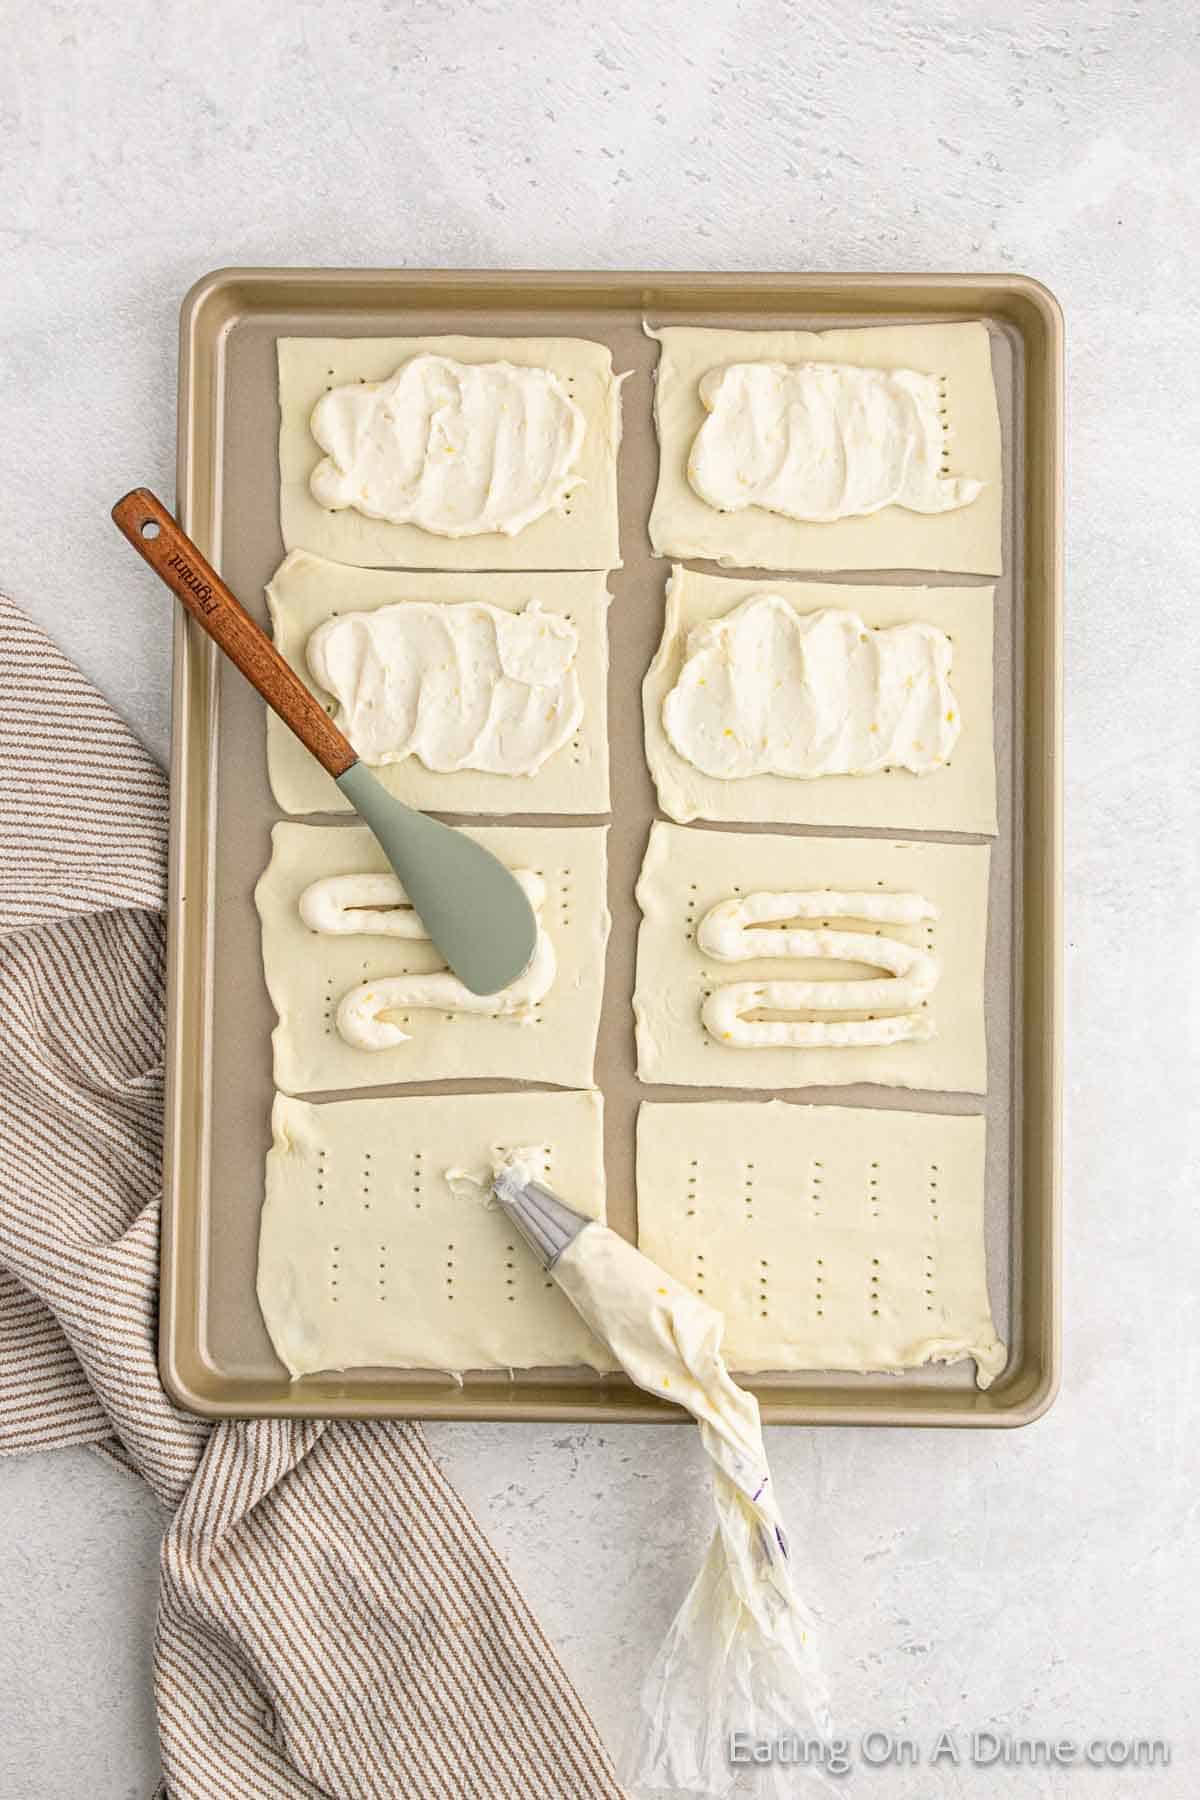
(959, 797)
(966, 540)
(369, 1258)
(686, 872)
(584, 536)
(308, 973)
(306, 590)
(830, 1237)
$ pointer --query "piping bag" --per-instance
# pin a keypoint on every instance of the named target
(740, 1656)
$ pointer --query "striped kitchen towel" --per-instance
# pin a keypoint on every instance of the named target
(332, 1620)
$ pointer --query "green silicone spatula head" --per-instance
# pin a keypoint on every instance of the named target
(472, 907)
(469, 903)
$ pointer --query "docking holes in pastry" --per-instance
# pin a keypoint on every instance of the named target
(429, 1277)
(752, 1190)
(839, 1263)
(569, 383)
(944, 415)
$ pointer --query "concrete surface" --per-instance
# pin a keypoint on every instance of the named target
(1040, 1582)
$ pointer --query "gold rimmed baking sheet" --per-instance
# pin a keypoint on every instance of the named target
(215, 1355)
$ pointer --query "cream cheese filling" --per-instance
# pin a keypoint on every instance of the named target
(743, 929)
(460, 686)
(823, 441)
(376, 905)
(455, 448)
(767, 690)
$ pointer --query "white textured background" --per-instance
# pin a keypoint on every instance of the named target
(1042, 1581)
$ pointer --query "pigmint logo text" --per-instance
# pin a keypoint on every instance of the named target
(195, 583)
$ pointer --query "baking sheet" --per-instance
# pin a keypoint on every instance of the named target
(215, 1354)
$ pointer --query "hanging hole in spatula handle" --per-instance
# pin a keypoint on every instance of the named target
(161, 540)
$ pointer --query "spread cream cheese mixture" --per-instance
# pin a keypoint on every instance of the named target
(455, 448)
(768, 690)
(462, 686)
(823, 441)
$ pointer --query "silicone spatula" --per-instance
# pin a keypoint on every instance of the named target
(473, 909)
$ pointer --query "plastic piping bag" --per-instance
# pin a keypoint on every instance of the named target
(740, 1656)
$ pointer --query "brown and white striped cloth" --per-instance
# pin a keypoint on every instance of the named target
(332, 1620)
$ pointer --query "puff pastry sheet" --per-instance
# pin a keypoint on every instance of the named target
(688, 871)
(369, 1258)
(585, 536)
(967, 540)
(307, 973)
(306, 590)
(830, 1237)
(959, 797)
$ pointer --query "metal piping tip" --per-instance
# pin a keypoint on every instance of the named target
(546, 1223)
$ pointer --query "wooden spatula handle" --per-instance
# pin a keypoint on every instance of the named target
(172, 555)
